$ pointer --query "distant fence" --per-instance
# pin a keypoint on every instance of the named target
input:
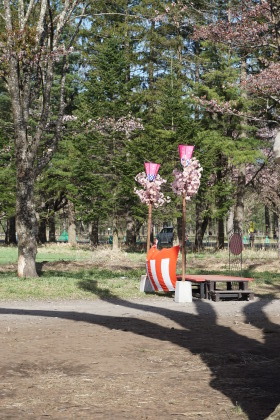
(211, 243)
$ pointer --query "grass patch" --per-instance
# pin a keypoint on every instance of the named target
(84, 284)
(82, 273)
(65, 252)
(53, 252)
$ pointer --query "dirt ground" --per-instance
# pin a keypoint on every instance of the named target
(141, 359)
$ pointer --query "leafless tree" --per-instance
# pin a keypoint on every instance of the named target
(37, 37)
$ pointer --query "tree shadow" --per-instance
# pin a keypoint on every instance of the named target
(243, 369)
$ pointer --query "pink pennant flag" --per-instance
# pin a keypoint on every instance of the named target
(185, 153)
(151, 170)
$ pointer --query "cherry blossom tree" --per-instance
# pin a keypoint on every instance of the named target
(250, 31)
(150, 195)
(34, 53)
(151, 191)
(186, 184)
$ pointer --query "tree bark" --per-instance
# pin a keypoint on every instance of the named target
(176, 240)
(42, 230)
(31, 48)
(221, 234)
(93, 236)
(10, 236)
(52, 237)
(26, 221)
(115, 239)
(241, 178)
(179, 229)
(201, 224)
(239, 203)
(230, 220)
(275, 225)
(267, 221)
(131, 233)
(72, 240)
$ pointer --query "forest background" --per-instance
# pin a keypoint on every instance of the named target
(90, 91)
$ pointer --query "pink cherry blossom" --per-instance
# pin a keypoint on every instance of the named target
(188, 181)
(126, 124)
(151, 194)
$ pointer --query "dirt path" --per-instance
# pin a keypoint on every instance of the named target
(140, 359)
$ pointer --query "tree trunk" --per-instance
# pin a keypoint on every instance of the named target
(241, 178)
(239, 204)
(151, 60)
(72, 224)
(93, 236)
(131, 233)
(10, 236)
(221, 234)
(275, 225)
(201, 224)
(267, 221)
(115, 239)
(230, 220)
(42, 231)
(179, 229)
(175, 232)
(29, 79)
(52, 237)
(26, 221)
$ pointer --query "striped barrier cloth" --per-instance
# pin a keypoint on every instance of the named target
(161, 268)
(161, 271)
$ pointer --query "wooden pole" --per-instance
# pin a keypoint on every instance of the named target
(149, 227)
(183, 237)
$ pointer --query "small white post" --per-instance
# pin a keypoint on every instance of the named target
(183, 292)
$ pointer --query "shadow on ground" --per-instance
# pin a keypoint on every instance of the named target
(243, 369)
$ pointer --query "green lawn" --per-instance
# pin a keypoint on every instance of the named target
(8, 254)
(103, 273)
(71, 282)
(83, 284)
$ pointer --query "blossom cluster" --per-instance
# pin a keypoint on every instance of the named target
(266, 132)
(267, 183)
(213, 105)
(226, 108)
(175, 14)
(151, 194)
(67, 118)
(126, 124)
(239, 35)
(187, 182)
(267, 82)
(248, 26)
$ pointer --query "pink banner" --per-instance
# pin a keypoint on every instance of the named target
(151, 170)
(185, 153)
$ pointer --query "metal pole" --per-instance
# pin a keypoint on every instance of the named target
(184, 237)
(149, 227)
